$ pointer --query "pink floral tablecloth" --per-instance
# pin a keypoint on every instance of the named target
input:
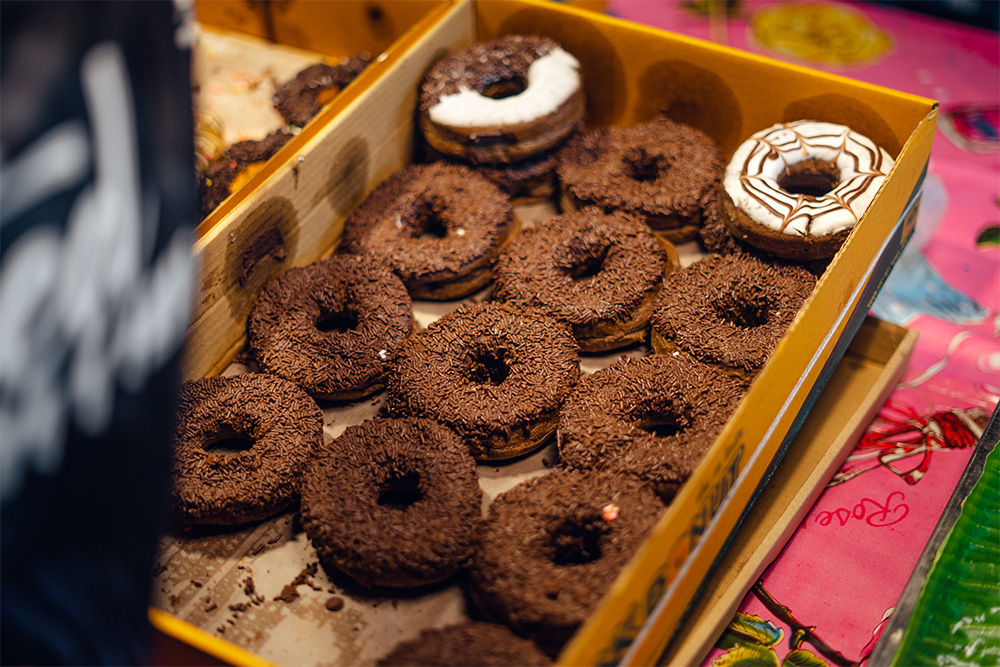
(826, 597)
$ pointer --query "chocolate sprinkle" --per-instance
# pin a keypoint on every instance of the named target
(393, 502)
(431, 223)
(283, 424)
(335, 603)
(493, 373)
(597, 272)
(468, 643)
(663, 171)
(730, 310)
(653, 418)
(548, 555)
(285, 327)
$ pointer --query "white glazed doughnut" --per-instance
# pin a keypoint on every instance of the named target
(501, 101)
(765, 211)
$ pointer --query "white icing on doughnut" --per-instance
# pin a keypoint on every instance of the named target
(752, 175)
(552, 79)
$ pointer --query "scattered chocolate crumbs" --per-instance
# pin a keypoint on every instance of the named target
(288, 593)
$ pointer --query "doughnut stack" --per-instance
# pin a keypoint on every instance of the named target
(504, 106)
(395, 501)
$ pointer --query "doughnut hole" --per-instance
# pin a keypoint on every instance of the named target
(576, 537)
(587, 263)
(507, 87)
(813, 178)
(227, 440)
(642, 165)
(488, 366)
(336, 322)
(662, 424)
(399, 489)
(743, 304)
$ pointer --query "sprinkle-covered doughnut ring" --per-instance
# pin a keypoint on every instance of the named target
(438, 226)
(598, 272)
(393, 502)
(552, 546)
(333, 327)
(281, 424)
(653, 418)
(493, 373)
(728, 310)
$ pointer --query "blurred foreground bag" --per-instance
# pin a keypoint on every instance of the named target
(96, 219)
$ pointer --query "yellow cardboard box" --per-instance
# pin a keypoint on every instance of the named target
(294, 215)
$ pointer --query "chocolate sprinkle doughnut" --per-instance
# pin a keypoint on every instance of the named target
(215, 183)
(301, 98)
(468, 643)
(494, 374)
(283, 427)
(393, 502)
(653, 418)
(332, 327)
(552, 546)
(662, 171)
(439, 226)
(598, 272)
(729, 310)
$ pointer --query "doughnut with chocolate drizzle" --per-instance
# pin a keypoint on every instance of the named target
(796, 190)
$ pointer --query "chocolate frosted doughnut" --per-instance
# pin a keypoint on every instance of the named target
(303, 96)
(393, 502)
(552, 546)
(469, 643)
(439, 226)
(332, 327)
(494, 374)
(279, 421)
(729, 310)
(653, 418)
(664, 172)
(216, 182)
(597, 272)
(502, 100)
